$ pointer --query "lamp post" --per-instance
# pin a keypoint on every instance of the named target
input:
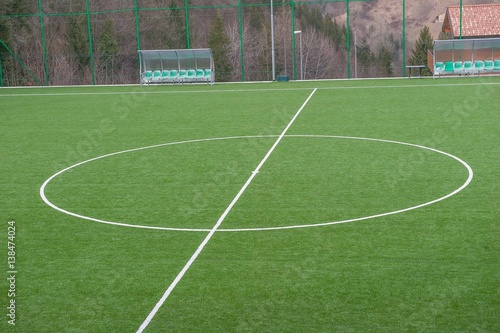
(355, 56)
(299, 32)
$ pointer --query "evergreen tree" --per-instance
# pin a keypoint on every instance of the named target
(394, 45)
(334, 31)
(108, 49)
(313, 18)
(5, 38)
(365, 55)
(419, 53)
(256, 18)
(21, 23)
(385, 61)
(78, 46)
(176, 33)
(218, 41)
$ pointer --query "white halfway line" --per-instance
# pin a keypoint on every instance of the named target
(219, 222)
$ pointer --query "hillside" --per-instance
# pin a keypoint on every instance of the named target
(377, 19)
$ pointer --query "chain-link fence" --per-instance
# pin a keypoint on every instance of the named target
(72, 42)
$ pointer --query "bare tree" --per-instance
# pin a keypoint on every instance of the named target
(318, 55)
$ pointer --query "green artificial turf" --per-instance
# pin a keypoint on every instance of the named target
(432, 269)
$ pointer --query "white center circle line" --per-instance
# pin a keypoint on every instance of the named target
(463, 186)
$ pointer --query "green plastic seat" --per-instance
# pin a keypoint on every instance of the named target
(479, 65)
(190, 75)
(147, 76)
(165, 75)
(488, 65)
(496, 65)
(458, 67)
(468, 67)
(157, 75)
(448, 67)
(172, 75)
(182, 75)
(200, 74)
(208, 76)
(438, 67)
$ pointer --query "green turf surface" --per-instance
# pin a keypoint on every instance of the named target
(433, 269)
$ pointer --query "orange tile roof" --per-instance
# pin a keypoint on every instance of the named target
(477, 20)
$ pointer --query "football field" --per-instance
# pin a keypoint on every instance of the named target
(327, 206)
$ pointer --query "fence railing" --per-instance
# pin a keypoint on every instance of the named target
(50, 42)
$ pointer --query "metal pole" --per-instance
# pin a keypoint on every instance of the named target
(355, 56)
(1, 76)
(240, 23)
(298, 32)
(188, 39)
(403, 42)
(461, 10)
(272, 42)
(44, 43)
(138, 35)
(284, 54)
(89, 33)
(137, 30)
(301, 59)
(293, 43)
(348, 40)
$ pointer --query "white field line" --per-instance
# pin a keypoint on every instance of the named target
(470, 176)
(44, 198)
(50, 204)
(170, 92)
(219, 222)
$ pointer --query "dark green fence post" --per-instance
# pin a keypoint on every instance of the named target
(1, 76)
(89, 32)
(293, 43)
(403, 42)
(186, 9)
(461, 19)
(348, 40)
(44, 43)
(240, 23)
(137, 30)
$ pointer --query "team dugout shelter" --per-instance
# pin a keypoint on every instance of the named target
(465, 56)
(469, 43)
(176, 66)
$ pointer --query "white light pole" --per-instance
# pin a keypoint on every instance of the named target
(355, 56)
(299, 32)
